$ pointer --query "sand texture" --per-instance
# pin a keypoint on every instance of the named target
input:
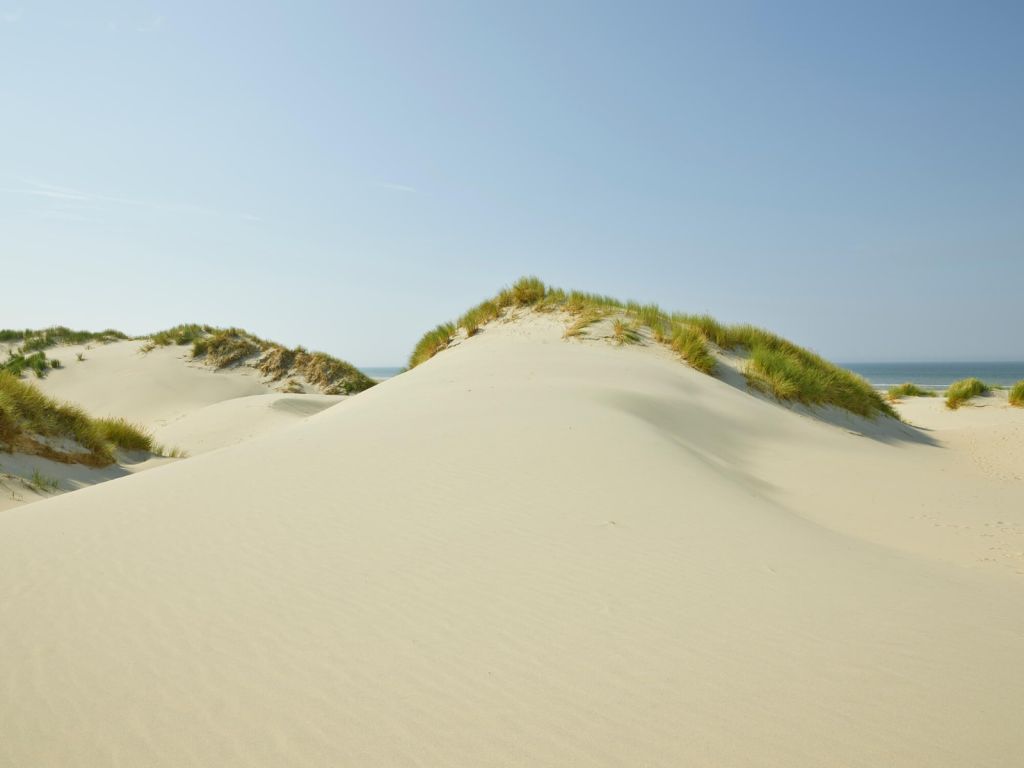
(528, 552)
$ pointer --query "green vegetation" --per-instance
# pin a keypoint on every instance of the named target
(32, 423)
(690, 344)
(432, 343)
(960, 392)
(775, 365)
(179, 334)
(226, 347)
(125, 435)
(41, 482)
(17, 363)
(33, 341)
(1017, 394)
(331, 375)
(908, 389)
(30, 355)
(625, 332)
(582, 321)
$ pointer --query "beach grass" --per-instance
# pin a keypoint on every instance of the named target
(908, 389)
(1016, 396)
(225, 348)
(125, 435)
(432, 342)
(44, 338)
(625, 332)
(30, 422)
(774, 365)
(228, 347)
(42, 483)
(692, 346)
(180, 335)
(36, 362)
(582, 321)
(960, 392)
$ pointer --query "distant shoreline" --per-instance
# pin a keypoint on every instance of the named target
(381, 372)
(937, 375)
(881, 375)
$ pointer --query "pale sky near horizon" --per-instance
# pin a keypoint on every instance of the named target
(347, 175)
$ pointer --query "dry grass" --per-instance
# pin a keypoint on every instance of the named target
(625, 332)
(228, 347)
(581, 322)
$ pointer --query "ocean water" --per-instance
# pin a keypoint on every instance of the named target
(937, 375)
(930, 375)
(380, 373)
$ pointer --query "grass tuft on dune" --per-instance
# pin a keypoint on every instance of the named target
(36, 340)
(227, 347)
(32, 423)
(1016, 396)
(774, 365)
(960, 392)
(908, 389)
(17, 363)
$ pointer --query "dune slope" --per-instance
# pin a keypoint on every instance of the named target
(526, 551)
(188, 407)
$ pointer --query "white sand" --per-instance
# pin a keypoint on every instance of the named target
(153, 389)
(524, 552)
(186, 405)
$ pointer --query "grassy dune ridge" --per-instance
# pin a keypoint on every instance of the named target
(35, 340)
(27, 352)
(774, 365)
(226, 347)
(34, 424)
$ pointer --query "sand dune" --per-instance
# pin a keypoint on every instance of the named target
(153, 389)
(186, 405)
(526, 551)
(242, 418)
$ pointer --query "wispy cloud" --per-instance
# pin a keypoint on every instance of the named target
(11, 17)
(77, 197)
(395, 187)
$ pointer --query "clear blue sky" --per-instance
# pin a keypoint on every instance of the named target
(345, 175)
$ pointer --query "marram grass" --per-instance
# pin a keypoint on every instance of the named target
(960, 392)
(227, 347)
(1017, 394)
(908, 389)
(775, 365)
(26, 415)
(35, 340)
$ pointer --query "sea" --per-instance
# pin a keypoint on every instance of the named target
(881, 375)
(937, 375)
(382, 372)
